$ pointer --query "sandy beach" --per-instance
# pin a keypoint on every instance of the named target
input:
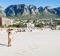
(35, 43)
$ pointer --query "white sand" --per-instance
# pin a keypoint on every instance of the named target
(38, 43)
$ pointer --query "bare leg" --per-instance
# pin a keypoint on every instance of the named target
(9, 42)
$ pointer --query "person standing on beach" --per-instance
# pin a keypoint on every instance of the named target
(9, 37)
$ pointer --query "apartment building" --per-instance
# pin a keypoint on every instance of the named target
(5, 21)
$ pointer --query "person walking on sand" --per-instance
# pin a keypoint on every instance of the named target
(9, 37)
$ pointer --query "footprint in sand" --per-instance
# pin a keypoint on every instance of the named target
(20, 52)
(34, 47)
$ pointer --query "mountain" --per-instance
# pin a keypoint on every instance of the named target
(23, 11)
(2, 12)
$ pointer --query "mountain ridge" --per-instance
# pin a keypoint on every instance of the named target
(25, 10)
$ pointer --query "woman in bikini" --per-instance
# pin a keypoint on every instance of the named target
(9, 37)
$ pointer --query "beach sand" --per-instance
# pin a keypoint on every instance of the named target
(35, 43)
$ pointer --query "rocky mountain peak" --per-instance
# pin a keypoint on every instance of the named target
(22, 9)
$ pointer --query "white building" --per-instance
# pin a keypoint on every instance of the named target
(30, 25)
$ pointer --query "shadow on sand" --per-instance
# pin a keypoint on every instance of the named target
(3, 45)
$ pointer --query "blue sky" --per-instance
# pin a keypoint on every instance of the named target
(52, 3)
